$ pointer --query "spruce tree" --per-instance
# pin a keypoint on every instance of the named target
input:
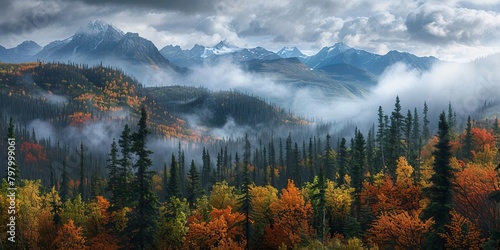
(440, 192)
(125, 176)
(342, 162)
(320, 201)
(357, 171)
(272, 161)
(206, 169)
(310, 160)
(237, 174)
(288, 156)
(416, 142)
(467, 148)
(194, 188)
(113, 175)
(64, 183)
(426, 134)
(329, 161)
(246, 200)
(381, 137)
(144, 218)
(173, 182)
(81, 187)
(295, 168)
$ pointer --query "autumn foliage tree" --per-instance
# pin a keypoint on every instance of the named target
(471, 189)
(69, 237)
(462, 233)
(223, 231)
(290, 219)
(404, 230)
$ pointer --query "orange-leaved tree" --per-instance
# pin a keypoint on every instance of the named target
(404, 230)
(470, 195)
(291, 215)
(462, 233)
(69, 237)
(223, 231)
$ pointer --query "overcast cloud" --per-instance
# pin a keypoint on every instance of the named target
(450, 29)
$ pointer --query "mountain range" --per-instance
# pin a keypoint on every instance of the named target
(338, 70)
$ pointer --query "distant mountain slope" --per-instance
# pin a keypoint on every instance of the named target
(332, 84)
(340, 53)
(98, 42)
(24, 52)
(214, 109)
(224, 50)
(72, 95)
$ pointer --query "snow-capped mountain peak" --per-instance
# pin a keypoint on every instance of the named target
(289, 52)
(98, 27)
(223, 47)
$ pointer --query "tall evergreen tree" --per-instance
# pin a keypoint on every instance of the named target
(246, 200)
(370, 152)
(174, 188)
(310, 160)
(288, 156)
(440, 192)
(206, 169)
(237, 174)
(272, 162)
(342, 162)
(144, 220)
(194, 188)
(426, 134)
(320, 201)
(407, 133)
(113, 185)
(282, 165)
(64, 183)
(467, 148)
(182, 169)
(82, 174)
(357, 171)
(381, 137)
(328, 163)
(295, 168)
(125, 196)
(451, 118)
(416, 142)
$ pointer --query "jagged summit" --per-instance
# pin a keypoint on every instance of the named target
(28, 48)
(289, 52)
(97, 27)
(225, 44)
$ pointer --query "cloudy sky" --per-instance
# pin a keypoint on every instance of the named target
(448, 29)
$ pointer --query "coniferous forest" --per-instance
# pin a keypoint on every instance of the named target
(150, 180)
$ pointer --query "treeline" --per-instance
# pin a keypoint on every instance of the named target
(398, 187)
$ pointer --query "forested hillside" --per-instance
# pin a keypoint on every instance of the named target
(399, 185)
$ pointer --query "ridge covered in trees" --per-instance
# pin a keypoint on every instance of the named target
(396, 186)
